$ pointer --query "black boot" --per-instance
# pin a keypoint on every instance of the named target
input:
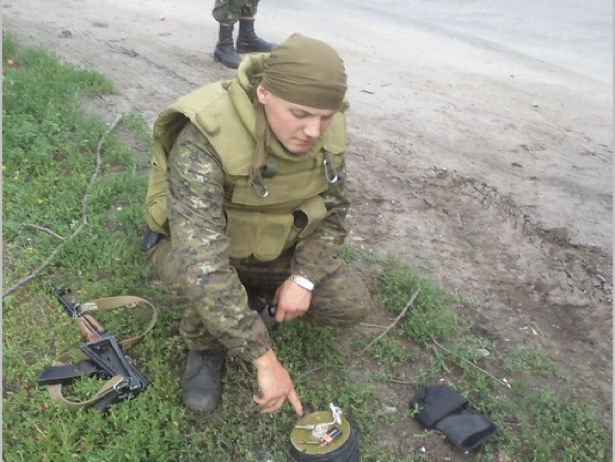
(225, 51)
(201, 386)
(248, 41)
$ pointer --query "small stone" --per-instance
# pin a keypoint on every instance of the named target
(482, 352)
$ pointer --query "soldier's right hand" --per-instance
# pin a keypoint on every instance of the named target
(291, 300)
(275, 385)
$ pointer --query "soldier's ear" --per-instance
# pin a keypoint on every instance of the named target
(262, 94)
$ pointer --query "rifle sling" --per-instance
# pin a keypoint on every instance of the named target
(52, 375)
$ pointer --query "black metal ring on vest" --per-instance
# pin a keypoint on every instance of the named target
(330, 171)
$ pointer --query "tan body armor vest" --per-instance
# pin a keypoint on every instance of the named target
(257, 226)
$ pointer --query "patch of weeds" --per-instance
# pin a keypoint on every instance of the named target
(136, 124)
(139, 137)
(394, 352)
(358, 257)
(536, 360)
(349, 254)
(429, 317)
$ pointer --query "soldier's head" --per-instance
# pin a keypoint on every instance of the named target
(303, 86)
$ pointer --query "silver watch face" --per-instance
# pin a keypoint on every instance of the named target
(302, 282)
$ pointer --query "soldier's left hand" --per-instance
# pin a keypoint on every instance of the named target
(291, 300)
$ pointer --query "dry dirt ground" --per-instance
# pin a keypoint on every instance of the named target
(491, 169)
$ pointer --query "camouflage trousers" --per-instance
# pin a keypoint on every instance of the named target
(228, 12)
(342, 299)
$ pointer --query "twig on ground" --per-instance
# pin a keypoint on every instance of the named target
(448, 102)
(377, 326)
(506, 384)
(84, 216)
(401, 315)
(303, 374)
(405, 382)
(45, 230)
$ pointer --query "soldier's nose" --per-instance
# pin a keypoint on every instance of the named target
(312, 129)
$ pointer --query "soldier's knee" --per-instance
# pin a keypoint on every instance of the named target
(343, 312)
(342, 300)
(365, 309)
(360, 310)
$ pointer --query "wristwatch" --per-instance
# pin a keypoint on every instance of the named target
(302, 282)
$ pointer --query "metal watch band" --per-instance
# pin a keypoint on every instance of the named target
(302, 282)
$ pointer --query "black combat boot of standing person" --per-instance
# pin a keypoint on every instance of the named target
(225, 52)
(201, 387)
(248, 41)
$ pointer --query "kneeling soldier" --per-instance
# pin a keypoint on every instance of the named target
(247, 195)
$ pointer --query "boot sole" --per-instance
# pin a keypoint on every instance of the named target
(251, 50)
(225, 63)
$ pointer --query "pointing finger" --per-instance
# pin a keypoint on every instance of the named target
(295, 402)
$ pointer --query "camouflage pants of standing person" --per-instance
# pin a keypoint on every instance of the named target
(228, 12)
(340, 300)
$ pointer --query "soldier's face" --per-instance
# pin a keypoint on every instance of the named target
(295, 126)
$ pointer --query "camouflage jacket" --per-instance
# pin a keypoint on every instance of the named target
(195, 192)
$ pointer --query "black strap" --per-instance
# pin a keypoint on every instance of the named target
(63, 374)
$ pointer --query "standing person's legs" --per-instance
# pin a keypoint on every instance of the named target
(247, 40)
(227, 13)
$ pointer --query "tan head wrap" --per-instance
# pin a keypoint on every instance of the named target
(306, 71)
(303, 71)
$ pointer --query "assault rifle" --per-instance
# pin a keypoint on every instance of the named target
(106, 359)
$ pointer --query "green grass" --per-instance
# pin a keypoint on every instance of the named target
(49, 157)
